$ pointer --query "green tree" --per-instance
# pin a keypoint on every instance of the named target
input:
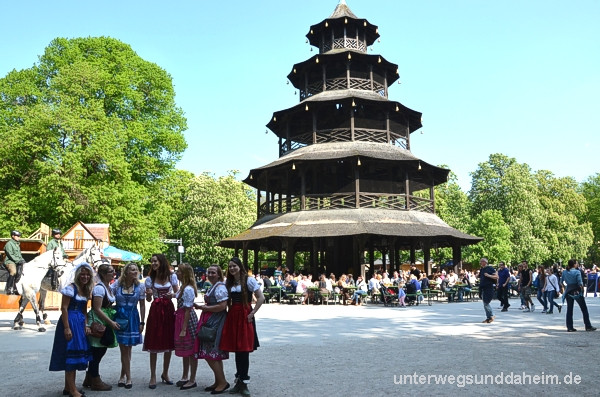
(496, 244)
(591, 192)
(452, 205)
(214, 209)
(507, 186)
(567, 234)
(87, 133)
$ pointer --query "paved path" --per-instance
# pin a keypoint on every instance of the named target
(359, 351)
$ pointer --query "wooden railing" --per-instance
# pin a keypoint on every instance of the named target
(333, 201)
(78, 244)
(342, 135)
(316, 87)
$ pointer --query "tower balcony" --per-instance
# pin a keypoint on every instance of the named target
(343, 43)
(317, 87)
(344, 135)
(332, 201)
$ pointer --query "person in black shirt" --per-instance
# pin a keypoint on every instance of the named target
(488, 278)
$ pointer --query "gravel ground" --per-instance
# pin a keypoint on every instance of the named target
(372, 350)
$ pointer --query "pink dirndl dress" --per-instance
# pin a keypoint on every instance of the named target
(160, 326)
(184, 346)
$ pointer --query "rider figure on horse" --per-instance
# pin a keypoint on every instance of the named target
(55, 242)
(14, 262)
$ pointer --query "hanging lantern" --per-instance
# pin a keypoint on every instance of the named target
(306, 107)
(397, 108)
(326, 24)
(357, 163)
(317, 60)
(294, 166)
(379, 60)
(353, 103)
(346, 20)
(274, 118)
(365, 23)
(349, 56)
(419, 166)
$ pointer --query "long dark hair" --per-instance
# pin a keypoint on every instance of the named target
(243, 280)
(163, 271)
(542, 276)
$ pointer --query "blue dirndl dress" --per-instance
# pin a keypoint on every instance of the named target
(74, 354)
(127, 308)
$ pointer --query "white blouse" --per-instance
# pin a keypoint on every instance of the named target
(101, 291)
(188, 296)
(169, 284)
(69, 291)
(252, 286)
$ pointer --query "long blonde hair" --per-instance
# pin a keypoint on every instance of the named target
(188, 278)
(123, 276)
(85, 289)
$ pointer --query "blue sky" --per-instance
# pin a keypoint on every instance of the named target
(515, 77)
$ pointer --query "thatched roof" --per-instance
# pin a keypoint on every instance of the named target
(342, 10)
(341, 150)
(383, 154)
(342, 15)
(351, 222)
(295, 117)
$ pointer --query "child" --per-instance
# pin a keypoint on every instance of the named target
(401, 294)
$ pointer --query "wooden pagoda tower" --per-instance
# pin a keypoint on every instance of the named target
(345, 179)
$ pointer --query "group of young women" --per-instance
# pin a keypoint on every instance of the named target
(227, 308)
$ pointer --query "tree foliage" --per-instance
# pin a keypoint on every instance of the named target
(214, 209)
(496, 244)
(87, 133)
(591, 192)
(545, 214)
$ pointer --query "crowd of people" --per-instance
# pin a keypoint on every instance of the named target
(116, 318)
(226, 323)
(491, 282)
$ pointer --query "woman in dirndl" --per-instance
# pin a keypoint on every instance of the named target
(70, 351)
(129, 293)
(186, 323)
(102, 312)
(239, 332)
(214, 312)
(161, 285)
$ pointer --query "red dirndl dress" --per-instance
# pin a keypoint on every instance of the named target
(238, 334)
(160, 327)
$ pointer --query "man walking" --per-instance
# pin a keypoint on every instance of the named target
(574, 293)
(525, 279)
(488, 277)
(14, 262)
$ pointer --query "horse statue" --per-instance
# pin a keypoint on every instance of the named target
(31, 280)
(44, 283)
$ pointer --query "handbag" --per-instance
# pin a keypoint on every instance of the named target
(98, 329)
(207, 334)
(123, 323)
(108, 338)
(122, 318)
